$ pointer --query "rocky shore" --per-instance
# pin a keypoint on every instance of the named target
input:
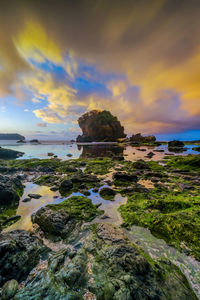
(97, 260)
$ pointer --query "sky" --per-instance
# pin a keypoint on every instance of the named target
(139, 59)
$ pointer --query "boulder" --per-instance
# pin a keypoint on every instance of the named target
(10, 190)
(20, 252)
(107, 193)
(175, 144)
(123, 176)
(98, 126)
(140, 164)
(61, 219)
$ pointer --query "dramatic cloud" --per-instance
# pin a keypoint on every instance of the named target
(140, 59)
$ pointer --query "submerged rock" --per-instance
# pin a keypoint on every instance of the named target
(98, 126)
(20, 251)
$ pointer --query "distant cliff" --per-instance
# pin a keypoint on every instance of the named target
(99, 126)
(11, 136)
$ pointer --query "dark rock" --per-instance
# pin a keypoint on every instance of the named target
(10, 190)
(196, 149)
(9, 154)
(158, 150)
(99, 126)
(35, 141)
(123, 176)
(107, 193)
(69, 155)
(84, 178)
(34, 196)
(120, 158)
(9, 289)
(140, 164)
(21, 142)
(65, 186)
(71, 169)
(11, 219)
(50, 154)
(53, 222)
(26, 200)
(20, 251)
(150, 154)
(175, 144)
(54, 188)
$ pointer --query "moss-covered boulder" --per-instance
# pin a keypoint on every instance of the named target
(61, 219)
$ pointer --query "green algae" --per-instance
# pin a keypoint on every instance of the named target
(99, 166)
(190, 162)
(79, 207)
(172, 216)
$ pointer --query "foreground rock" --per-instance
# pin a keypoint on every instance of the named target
(10, 190)
(98, 126)
(61, 219)
(19, 253)
(106, 267)
(9, 154)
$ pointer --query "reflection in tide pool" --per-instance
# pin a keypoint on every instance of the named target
(62, 149)
(157, 248)
(26, 209)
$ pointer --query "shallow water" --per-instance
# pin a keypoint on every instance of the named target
(157, 248)
(62, 149)
(26, 209)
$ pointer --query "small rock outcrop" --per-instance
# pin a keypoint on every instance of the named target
(9, 154)
(138, 138)
(176, 146)
(99, 126)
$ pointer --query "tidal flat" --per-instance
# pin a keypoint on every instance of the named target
(101, 227)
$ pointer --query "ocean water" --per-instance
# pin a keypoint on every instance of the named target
(62, 149)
